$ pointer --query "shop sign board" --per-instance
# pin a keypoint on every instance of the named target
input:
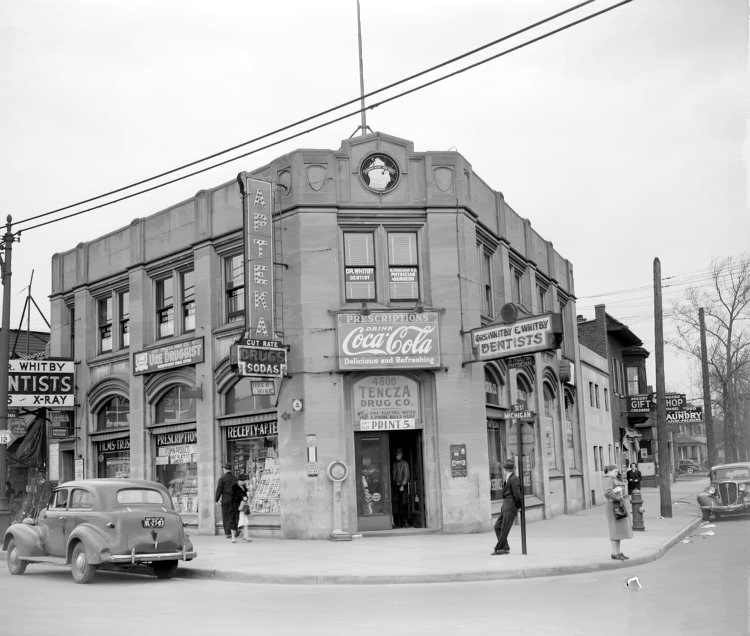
(176, 438)
(113, 445)
(255, 429)
(517, 415)
(41, 383)
(386, 397)
(388, 340)
(260, 361)
(18, 425)
(674, 401)
(528, 335)
(53, 462)
(262, 387)
(59, 432)
(688, 414)
(258, 250)
(404, 424)
(521, 362)
(459, 467)
(78, 469)
(168, 357)
(640, 403)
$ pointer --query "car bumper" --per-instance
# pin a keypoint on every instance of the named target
(133, 558)
(725, 510)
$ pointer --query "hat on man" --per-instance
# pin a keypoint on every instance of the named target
(509, 464)
(609, 467)
(227, 466)
(242, 477)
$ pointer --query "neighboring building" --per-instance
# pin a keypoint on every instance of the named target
(28, 344)
(595, 383)
(633, 429)
(421, 256)
(690, 441)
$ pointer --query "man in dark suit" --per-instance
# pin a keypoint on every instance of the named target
(224, 493)
(512, 501)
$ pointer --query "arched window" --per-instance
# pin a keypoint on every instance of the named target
(550, 401)
(114, 413)
(491, 389)
(524, 390)
(239, 399)
(175, 406)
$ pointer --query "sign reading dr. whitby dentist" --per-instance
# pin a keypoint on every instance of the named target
(41, 383)
(388, 340)
(168, 357)
(258, 244)
(526, 335)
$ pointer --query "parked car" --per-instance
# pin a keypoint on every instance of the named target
(92, 523)
(688, 466)
(729, 491)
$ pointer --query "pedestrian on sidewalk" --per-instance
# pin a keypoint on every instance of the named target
(512, 501)
(634, 478)
(614, 491)
(400, 485)
(224, 494)
(241, 505)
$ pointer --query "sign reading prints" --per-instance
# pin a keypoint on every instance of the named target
(41, 383)
(523, 336)
(387, 425)
(388, 340)
(258, 229)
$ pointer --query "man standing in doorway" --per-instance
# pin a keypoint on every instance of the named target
(224, 493)
(400, 481)
(511, 503)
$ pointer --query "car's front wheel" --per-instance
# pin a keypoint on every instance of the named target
(165, 569)
(16, 565)
(690, 470)
(83, 571)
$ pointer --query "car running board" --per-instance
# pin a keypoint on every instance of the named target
(49, 560)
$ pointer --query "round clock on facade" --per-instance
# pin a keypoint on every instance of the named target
(337, 470)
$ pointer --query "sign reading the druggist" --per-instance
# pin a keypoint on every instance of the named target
(169, 357)
(258, 228)
(527, 335)
(388, 340)
(41, 383)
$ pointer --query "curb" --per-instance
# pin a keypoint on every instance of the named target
(454, 577)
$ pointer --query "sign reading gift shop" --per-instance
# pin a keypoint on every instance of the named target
(176, 448)
(41, 383)
(257, 208)
(386, 403)
(168, 357)
(537, 333)
(388, 340)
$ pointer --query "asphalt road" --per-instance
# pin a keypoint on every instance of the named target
(699, 588)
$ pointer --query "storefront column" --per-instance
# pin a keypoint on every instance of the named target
(140, 305)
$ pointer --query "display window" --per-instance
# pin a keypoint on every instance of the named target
(113, 458)
(176, 467)
(496, 446)
(253, 449)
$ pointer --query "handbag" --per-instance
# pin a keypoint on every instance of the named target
(621, 512)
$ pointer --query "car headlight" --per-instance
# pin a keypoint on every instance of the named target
(711, 490)
(742, 487)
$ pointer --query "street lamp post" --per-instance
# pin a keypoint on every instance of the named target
(4, 357)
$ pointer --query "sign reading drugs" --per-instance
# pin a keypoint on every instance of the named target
(537, 333)
(41, 383)
(258, 243)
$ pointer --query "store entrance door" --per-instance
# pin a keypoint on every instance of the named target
(375, 457)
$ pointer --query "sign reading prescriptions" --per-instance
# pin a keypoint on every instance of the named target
(388, 340)
(41, 383)
(523, 336)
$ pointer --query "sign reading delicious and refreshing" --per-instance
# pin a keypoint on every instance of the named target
(168, 357)
(258, 228)
(527, 335)
(392, 340)
(41, 383)
(386, 402)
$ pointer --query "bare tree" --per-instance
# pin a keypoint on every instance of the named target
(726, 304)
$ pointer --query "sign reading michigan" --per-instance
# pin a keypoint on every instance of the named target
(537, 333)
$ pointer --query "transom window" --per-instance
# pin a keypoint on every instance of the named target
(175, 406)
(115, 413)
(239, 399)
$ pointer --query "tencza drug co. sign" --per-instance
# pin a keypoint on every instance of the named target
(41, 383)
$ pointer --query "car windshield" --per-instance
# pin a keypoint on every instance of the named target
(131, 496)
(732, 473)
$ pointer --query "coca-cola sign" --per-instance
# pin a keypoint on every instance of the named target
(388, 340)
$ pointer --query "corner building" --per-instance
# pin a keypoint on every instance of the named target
(384, 260)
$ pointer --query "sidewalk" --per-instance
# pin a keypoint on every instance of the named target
(568, 544)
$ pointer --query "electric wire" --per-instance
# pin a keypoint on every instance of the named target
(309, 130)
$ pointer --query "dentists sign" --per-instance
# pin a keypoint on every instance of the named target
(537, 333)
(41, 383)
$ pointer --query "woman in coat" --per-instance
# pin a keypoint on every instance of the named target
(614, 491)
(634, 478)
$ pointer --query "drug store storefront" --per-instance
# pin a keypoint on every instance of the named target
(387, 358)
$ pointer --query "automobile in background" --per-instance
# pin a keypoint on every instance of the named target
(94, 523)
(728, 493)
(688, 467)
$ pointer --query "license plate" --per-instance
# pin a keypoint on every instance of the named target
(153, 522)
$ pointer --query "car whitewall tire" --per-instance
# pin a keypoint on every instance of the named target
(82, 570)
(16, 565)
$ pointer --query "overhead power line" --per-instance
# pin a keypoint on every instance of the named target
(324, 124)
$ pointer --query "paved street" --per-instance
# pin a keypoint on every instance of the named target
(698, 588)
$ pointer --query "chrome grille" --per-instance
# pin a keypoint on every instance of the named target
(728, 491)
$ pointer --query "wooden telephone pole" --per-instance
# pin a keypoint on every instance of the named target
(662, 432)
(708, 417)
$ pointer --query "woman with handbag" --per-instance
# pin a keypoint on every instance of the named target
(241, 503)
(616, 511)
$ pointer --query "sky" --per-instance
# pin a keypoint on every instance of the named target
(621, 139)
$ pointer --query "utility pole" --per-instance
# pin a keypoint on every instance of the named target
(708, 417)
(662, 433)
(4, 357)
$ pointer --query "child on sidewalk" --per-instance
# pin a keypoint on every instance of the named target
(244, 509)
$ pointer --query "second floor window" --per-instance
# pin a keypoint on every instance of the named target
(188, 301)
(234, 287)
(105, 324)
(486, 264)
(359, 265)
(515, 285)
(403, 264)
(632, 380)
(541, 292)
(165, 307)
(125, 318)
(112, 321)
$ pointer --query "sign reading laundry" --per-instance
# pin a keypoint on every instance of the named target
(392, 340)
